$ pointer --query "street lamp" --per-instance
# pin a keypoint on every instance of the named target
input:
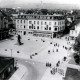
(11, 52)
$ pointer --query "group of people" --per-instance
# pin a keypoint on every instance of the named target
(48, 64)
(54, 70)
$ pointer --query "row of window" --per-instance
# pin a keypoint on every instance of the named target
(21, 26)
(37, 22)
(74, 32)
(24, 33)
(45, 28)
(59, 28)
(40, 17)
(38, 28)
(20, 21)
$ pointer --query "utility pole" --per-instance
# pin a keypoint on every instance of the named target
(11, 52)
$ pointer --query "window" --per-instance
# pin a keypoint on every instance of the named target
(58, 28)
(34, 22)
(24, 21)
(24, 16)
(24, 32)
(58, 23)
(35, 17)
(72, 32)
(34, 27)
(63, 22)
(21, 21)
(37, 27)
(17, 21)
(49, 23)
(41, 27)
(24, 26)
(41, 23)
(55, 29)
(30, 22)
(50, 17)
(76, 31)
(55, 23)
(21, 16)
(37, 22)
(45, 23)
(49, 28)
(30, 27)
(21, 26)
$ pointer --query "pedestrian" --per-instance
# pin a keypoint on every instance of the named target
(56, 50)
(58, 45)
(48, 51)
(51, 71)
(56, 69)
(30, 57)
(46, 64)
(57, 64)
(63, 46)
(53, 50)
(50, 64)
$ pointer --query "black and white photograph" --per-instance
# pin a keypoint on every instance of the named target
(39, 40)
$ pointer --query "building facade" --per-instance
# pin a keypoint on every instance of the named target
(6, 67)
(40, 25)
(4, 28)
(75, 32)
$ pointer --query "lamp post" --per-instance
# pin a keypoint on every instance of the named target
(11, 52)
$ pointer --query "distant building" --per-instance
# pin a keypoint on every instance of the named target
(40, 25)
(6, 67)
(74, 32)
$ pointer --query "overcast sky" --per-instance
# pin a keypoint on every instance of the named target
(4, 2)
(44, 1)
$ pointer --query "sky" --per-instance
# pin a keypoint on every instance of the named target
(44, 1)
(11, 2)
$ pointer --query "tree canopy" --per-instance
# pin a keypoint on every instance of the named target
(77, 44)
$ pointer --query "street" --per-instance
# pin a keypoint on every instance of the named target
(37, 65)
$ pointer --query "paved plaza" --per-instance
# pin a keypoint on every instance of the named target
(48, 50)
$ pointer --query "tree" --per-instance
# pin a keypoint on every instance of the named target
(76, 57)
(44, 11)
(76, 47)
(77, 44)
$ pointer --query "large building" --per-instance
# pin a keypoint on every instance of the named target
(6, 67)
(40, 25)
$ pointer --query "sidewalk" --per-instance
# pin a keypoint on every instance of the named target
(49, 76)
(18, 75)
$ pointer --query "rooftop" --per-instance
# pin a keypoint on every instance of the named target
(5, 62)
(41, 15)
(72, 74)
